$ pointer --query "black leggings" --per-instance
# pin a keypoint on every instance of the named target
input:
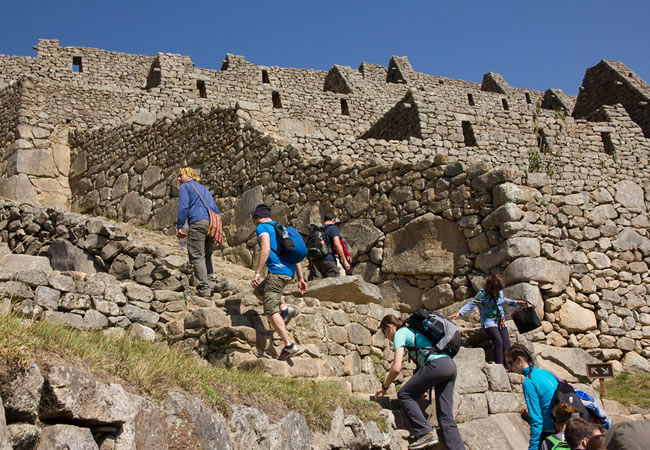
(501, 341)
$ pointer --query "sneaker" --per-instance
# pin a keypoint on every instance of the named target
(424, 441)
(287, 352)
(289, 313)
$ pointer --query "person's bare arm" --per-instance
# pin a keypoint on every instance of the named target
(265, 249)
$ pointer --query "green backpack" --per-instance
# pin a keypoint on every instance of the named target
(557, 444)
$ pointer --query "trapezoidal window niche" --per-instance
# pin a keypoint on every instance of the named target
(506, 107)
(470, 99)
(468, 134)
(277, 101)
(345, 109)
(200, 85)
(77, 65)
(607, 142)
(265, 77)
(528, 100)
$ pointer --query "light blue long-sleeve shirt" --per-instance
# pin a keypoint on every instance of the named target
(190, 206)
(539, 389)
(490, 316)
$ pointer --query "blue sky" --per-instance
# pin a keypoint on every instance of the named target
(534, 45)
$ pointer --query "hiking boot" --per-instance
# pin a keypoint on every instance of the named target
(424, 441)
(289, 313)
(288, 352)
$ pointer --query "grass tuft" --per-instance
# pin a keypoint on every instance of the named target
(156, 369)
(625, 389)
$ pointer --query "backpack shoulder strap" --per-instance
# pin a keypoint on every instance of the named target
(203, 201)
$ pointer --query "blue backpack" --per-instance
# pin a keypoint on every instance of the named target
(596, 414)
(291, 246)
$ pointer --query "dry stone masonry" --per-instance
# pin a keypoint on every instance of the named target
(438, 183)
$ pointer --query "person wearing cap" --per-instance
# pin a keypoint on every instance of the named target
(194, 199)
(326, 265)
(280, 274)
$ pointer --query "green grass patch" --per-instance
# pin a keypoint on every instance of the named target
(627, 388)
(156, 369)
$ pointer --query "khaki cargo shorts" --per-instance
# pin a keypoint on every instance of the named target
(271, 291)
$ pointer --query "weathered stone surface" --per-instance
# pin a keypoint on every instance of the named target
(64, 437)
(342, 289)
(4, 433)
(553, 274)
(528, 292)
(206, 318)
(135, 208)
(22, 395)
(165, 216)
(496, 432)
(360, 236)
(630, 195)
(396, 292)
(66, 256)
(142, 332)
(22, 436)
(497, 378)
(635, 363)
(71, 320)
(471, 407)
(141, 316)
(72, 395)
(13, 264)
(572, 360)
(510, 192)
(629, 239)
(576, 319)
(505, 402)
(190, 420)
(427, 245)
(508, 212)
(470, 376)
(438, 297)
(241, 227)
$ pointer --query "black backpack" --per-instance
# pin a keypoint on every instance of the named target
(567, 394)
(443, 333)
(317, 248)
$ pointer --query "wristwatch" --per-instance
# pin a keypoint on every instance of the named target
(384, 387)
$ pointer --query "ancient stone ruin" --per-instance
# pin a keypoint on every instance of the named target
(438, 183)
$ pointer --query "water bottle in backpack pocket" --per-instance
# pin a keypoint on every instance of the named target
(291, 246)
(443, 333)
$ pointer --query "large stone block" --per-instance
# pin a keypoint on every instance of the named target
(165, 216)
(360, 236)
(553, 275)
(428, 245)
(576, 319)
(36, 162)
(66, 256)
(18, 187)
(630, 195)
(135, 207)
(341, 289)
(190, 420)
(66, 437)
(510, 192)
(496, 432)
(22, 395)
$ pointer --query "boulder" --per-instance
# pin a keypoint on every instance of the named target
(359, 203)
(427, 245)
(190, 420)
(496, 432)
(22, 435)
(71, 395)
(12, 264)
(341, 289)
(22, 395)
(513, 193)
(629, 239)
(493, 177)
(241, 227)
(360, 236)
(165, 216)
(508, 212)
(65, 256)
(438, 297)
(470, 378)
(573, 360)
(206, 318)
(553, 276)
(630, 195)
(64, 437)
(401, 293)
(576, 319)
(635, 363)
(528, 292)
(134, 207)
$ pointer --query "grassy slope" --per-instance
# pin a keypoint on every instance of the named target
(156, 369)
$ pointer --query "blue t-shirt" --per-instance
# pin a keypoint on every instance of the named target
(407, 337)
(273, 262)
(330, 232)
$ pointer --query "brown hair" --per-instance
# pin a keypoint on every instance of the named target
(390, 319)
(519, 350)
(494, 284)
(577, 430)
(562, 413)
(596, 443)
